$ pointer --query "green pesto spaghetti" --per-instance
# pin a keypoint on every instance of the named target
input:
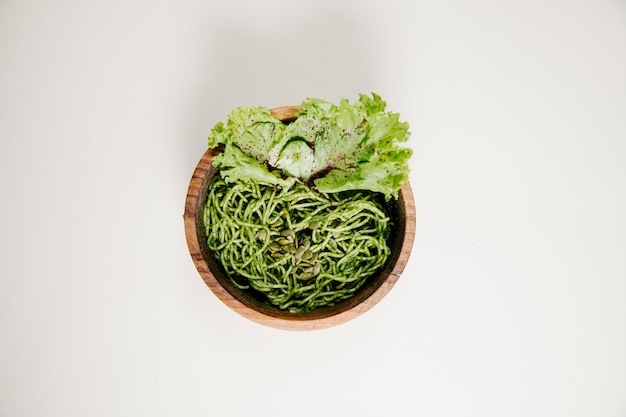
(295, 246)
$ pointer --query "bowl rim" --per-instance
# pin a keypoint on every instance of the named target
(354, 307)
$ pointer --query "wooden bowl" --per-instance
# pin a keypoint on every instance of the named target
(402, 212)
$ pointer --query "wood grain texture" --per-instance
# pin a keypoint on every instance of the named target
(216, 280)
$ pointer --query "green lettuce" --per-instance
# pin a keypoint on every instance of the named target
(348, 146)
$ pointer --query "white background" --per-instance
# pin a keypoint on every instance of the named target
(514, 299)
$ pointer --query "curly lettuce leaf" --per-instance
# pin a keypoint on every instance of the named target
(335, 147)
(385, 173)
(254, 130)
(332, 135)
(236, 165)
